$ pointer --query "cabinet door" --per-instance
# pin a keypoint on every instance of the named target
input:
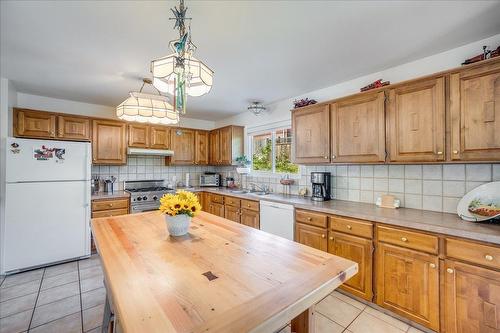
(34, 124)
(138, 136)
(182, 141)
(225, 142)
(408, 284)
(311, 134)
(201, 148)
(358, 129)
(216, 209)
(311, 236)
(109, 142)
(232, 213)
(250, 218)
(214, 152)
(159, 137)
(73, 128)
(471, 299)
(416, 118)
(475, 113)
(358, 250)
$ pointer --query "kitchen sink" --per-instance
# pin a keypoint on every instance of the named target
(239, 191)
(260, 193)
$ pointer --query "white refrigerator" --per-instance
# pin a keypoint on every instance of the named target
(47, 203)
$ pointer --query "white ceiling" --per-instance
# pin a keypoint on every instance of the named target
(95, 51)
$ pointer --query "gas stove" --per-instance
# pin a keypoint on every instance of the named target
(145, 194)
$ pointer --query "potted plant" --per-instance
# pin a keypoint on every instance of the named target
(243, 164)
(179, 208)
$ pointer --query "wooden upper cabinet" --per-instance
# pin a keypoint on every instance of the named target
(311, 236)
(109, 143)
(159, 137)
(73, 128)
(214, 151)
(201, 147)
(183, 145)
(360, 251)
(138, 136)
(226, 144)
(416, 121)
(475, 113)
(311, 134)
(358, 128)
(471, 299)
(34, 124)
(408, 284)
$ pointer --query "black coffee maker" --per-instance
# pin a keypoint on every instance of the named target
(320, 186)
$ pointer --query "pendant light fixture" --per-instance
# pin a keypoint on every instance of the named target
(256, 108)
(147, 108)
(180, 73)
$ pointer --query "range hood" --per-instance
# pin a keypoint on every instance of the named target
(149, 152)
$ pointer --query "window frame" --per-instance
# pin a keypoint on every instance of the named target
(271, 128)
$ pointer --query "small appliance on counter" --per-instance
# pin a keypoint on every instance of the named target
(210, 179)
(320, 186)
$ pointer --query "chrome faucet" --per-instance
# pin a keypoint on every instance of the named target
(259, 188)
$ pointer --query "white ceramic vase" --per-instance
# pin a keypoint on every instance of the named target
(178, 225)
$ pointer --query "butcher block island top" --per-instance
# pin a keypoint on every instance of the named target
(221, 277)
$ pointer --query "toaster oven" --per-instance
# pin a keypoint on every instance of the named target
(210, 179)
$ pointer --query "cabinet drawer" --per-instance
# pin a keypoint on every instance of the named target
(216, 198)
(232, 201)
(249, 204)
(408, 239)
(311, 218)
(475, 253)
(351, 226)
(108, 213)
(109, 204)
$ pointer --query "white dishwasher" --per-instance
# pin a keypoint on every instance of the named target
(277, 218)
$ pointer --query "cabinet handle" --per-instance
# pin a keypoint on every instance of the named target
(488, 257)
(440, 153)
(349, 227)
(326, 157)
(334, 157)
(449, 270)
(309, 219)
(432, 265)
(110, 205)
(248, 205)
(455, 152)
(323, 236)
(404, 239)
(331, 238)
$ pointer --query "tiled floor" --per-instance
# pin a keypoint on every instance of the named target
(70, 298)
(64, 298)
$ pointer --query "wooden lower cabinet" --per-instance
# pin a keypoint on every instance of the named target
(250, 218)
(232, 213)
(359, 250)
(311, 236)
(216, 209)
(107, 208)
(471, 298)
(407, 283)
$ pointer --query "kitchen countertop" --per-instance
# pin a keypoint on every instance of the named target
(220, 277)
(442, 223)
(108, 195)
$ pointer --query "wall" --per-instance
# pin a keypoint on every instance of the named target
(430, 187)
(92, 110)
(149, 167)
(8, 98)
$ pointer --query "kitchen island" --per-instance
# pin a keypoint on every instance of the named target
(221, 277)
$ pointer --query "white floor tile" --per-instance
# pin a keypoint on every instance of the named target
(388, 319)
(337, 310)
(365, 323)
(325, 325)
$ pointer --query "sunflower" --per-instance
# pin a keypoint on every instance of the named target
(182, 202)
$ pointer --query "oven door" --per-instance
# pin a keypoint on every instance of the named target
(144, 207)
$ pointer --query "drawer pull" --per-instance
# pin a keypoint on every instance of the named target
(323, 236)
(432, 265)
(455, 152)
(349, 227)
(440, 153)
(331, 238)
(248, 205)
(404, 239)
(449, 270)
(309, 218)
(488, 257)
(110, 205)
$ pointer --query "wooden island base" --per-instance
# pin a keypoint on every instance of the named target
(221, 277)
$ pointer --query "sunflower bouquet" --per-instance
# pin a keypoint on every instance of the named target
(183, 202)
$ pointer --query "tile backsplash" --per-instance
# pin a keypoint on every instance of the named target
(437, 187)
(149, 167)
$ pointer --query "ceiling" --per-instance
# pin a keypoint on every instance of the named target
(96, 51)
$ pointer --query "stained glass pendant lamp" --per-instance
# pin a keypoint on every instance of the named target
(147, 108)
(180, 73)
